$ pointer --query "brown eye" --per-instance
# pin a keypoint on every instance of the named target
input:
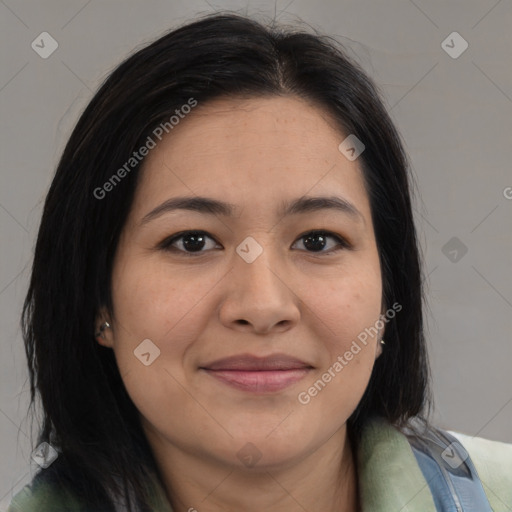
(317, 241)
(191, 243)
(188, 242)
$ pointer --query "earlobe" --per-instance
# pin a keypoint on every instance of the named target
(103, 334)
(379, 348)
(381, 343)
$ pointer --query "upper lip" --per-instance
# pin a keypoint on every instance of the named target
(248, 362)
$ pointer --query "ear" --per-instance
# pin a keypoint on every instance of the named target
(103, 329)
(380, 336)
(378, 349)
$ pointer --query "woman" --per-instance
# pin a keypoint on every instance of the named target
(225, 310)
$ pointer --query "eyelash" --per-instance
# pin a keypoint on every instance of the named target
(166, 244)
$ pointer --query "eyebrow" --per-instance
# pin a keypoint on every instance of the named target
(207, 205)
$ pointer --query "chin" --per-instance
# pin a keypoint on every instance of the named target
(255, 449)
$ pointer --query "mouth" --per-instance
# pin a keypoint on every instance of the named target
(258, 374)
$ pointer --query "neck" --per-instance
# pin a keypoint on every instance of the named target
(325, 479)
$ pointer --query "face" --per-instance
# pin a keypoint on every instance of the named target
(242, 327)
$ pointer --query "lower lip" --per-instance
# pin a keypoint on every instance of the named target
(259, 381)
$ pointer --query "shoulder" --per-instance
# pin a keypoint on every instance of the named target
(43, 497)
(46, 492)
(49, 491)
(390, 477)
(493, 462)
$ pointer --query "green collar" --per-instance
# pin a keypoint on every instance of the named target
(389, 476)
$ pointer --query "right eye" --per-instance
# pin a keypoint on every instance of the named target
(192, 242)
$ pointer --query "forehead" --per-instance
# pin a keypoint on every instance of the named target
(251, 151)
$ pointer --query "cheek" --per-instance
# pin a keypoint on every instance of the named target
(346, 314)
(155, 301)
(347, 305)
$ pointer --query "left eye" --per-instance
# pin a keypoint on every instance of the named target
(192, 242)
(317, 241)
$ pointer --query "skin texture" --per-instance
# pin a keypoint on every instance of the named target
(254, 153)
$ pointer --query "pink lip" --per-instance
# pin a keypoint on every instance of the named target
(258, 374)
(259, 381)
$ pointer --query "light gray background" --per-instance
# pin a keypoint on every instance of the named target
(455, 116)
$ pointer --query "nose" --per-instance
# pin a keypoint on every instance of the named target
(258, 298)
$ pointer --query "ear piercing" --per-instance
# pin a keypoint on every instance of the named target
(382, 342)
(103, 326)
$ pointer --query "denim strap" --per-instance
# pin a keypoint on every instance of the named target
(449, 471)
